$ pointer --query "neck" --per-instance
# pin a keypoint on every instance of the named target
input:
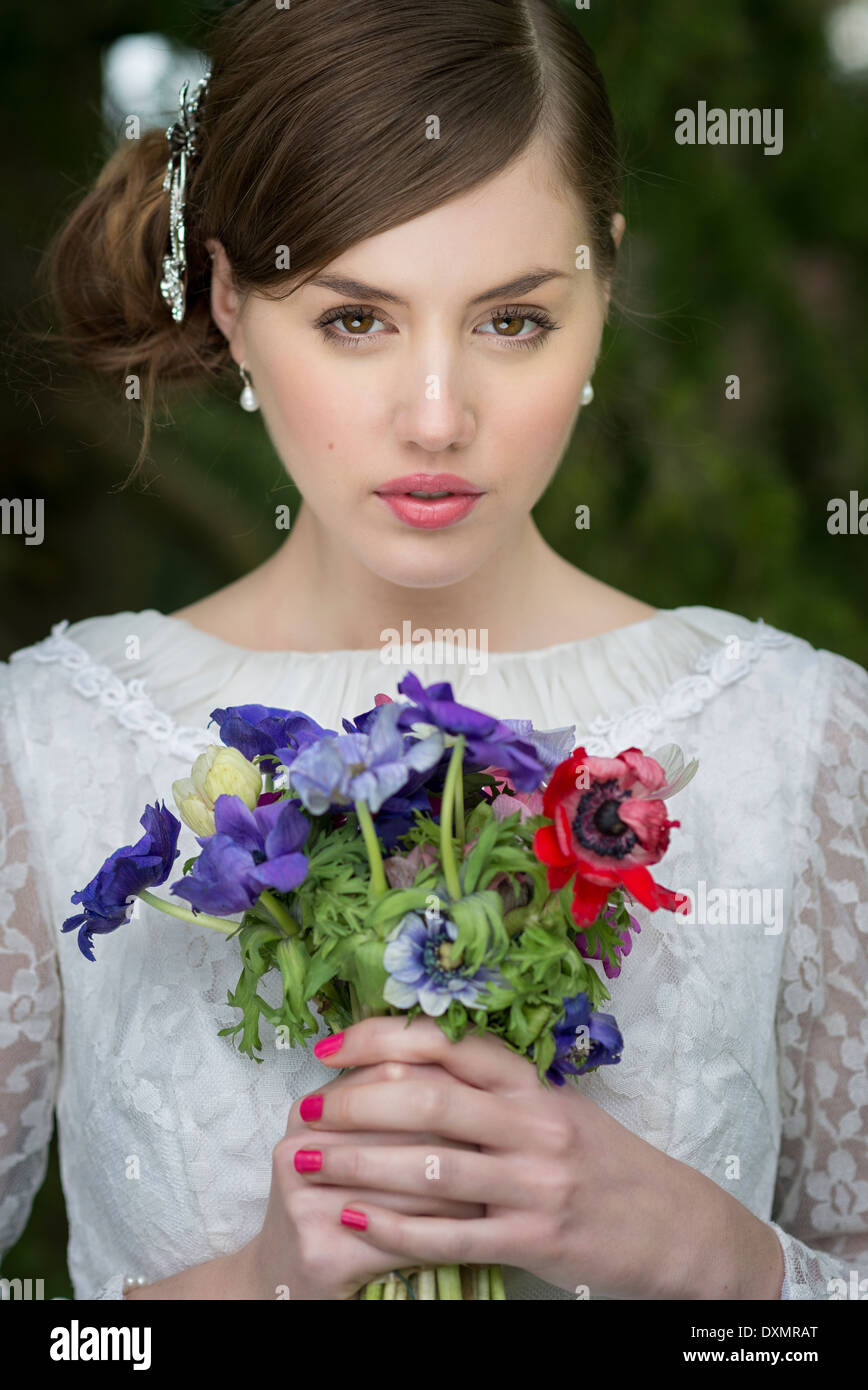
(318, 590)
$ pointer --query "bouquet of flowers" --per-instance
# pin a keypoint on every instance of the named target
(430, 859)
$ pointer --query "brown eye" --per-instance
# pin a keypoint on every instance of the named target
(513, 327)
(356, 323)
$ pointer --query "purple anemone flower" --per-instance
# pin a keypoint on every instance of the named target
(489, 742)
(551, 746)
(123, 875)
(604, 1038)
(611, 962)
(251, 850)
(416, 959)
(371, 767)
(255, 729)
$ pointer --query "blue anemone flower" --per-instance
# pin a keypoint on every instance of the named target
(251, 850)
(416, 958)
(371, 767)
(603, 1035)
(123, 875)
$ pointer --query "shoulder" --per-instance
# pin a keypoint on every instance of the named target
(96, 677)
(771, 688)
(69, 661)
(737, 641)
(807, 705)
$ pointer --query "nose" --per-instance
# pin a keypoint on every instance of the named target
(434, 411)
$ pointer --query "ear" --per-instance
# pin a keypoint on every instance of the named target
(618, 227)
(225, 300)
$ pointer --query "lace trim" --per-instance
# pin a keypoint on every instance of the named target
(129, 701)
(134, 708)
(713, 670)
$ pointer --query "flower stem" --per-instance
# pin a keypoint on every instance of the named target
(375, 859)
(447, 850)
(449, 1282)
(200, 919)
(278, 913)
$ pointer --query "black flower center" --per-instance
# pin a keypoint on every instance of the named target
(597, 825)
(437, 956)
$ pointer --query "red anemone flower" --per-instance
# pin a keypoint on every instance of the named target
(608, 826)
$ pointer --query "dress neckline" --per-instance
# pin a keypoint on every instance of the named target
(358, 653)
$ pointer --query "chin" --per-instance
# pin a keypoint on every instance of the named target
(432, 561)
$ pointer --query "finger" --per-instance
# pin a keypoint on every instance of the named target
(303, 1137)
(411, 1205)
(453, 1174)
(387, 1071)
(431, 1240)
(360, 1262)
(433, 1203)
(446, 1107)
(381, 1071)
(479, 1060)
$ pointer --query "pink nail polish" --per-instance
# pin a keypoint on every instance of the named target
(310, 1108)
(353, 1218)
(308, 1160)
(326, 1046)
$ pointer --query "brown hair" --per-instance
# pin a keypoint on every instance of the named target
(312, 136)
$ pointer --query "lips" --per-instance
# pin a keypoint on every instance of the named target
(428, 482)
(456, 500)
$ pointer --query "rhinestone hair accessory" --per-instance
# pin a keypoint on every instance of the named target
(181, 135)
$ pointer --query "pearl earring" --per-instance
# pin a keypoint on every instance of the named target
(587, 393)
(248, 398)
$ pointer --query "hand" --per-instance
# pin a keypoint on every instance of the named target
(302, 1244)
(570, 1194)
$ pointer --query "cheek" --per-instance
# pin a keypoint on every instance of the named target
(321, 426)
(309, 411)
(531, 429)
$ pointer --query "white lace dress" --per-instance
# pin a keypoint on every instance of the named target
(746, 1031)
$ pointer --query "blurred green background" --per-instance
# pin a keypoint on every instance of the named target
(733, 262)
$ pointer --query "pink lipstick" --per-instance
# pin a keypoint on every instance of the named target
(430, 500)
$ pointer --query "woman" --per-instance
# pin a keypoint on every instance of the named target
(402, 227)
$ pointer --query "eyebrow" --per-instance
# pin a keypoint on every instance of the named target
(358, 289)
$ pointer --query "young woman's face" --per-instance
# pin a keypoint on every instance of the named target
(429, 365)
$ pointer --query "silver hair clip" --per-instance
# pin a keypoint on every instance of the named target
(181, 136)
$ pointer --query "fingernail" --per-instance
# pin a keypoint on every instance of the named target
(308, 1160)
(326, 1046)
(353, 1218)
(310, 1108)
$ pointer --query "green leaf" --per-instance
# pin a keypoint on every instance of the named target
(475, 862)
(323, 968)
(481, 933)
(543, 1054)
(395, 904)
(294, 964)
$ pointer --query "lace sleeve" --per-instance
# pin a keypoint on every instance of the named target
(30, 997)
(821, 1195)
